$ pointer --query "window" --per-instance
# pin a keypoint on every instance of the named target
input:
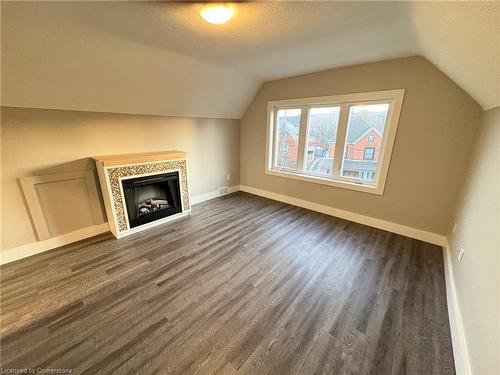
(321, 132)
(344, 140)
(369, 153)
(287, 135)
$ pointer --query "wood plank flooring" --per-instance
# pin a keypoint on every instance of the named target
(246, 285)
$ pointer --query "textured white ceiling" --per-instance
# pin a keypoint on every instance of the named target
(162, 58)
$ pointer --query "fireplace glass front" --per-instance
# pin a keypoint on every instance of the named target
(151, 198)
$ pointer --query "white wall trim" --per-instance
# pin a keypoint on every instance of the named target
(462, 364)
(460, 352)
(404, 230)
(40, 246)
(213, 194)
(34, 248)
(30, 249)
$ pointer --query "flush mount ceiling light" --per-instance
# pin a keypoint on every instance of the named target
(216, 13)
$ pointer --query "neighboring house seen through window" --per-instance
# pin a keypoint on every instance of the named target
(343, 140)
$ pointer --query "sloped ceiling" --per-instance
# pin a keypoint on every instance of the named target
(162, 58)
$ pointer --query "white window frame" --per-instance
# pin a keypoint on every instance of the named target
(392, 97)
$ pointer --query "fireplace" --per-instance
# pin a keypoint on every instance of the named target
(151, 198)
(143, 190)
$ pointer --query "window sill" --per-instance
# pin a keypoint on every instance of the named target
(379, 190)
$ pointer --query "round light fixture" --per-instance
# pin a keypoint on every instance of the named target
(216, 13)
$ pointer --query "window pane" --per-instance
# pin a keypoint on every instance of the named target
(288, 127)
(320, 142)
(365, 130)
(369, 153)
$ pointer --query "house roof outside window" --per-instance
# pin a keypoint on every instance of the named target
(358, 126)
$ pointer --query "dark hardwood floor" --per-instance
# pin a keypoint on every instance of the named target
(246, 285)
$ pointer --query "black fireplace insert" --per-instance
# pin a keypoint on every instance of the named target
(151, 198)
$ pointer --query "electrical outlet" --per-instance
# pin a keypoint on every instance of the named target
(228, 177)
(223, 190)
(455, 226)
(460, 254)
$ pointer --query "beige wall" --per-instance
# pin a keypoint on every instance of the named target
(433, 142)
(55, 56)
(477, 277)
(36, 141)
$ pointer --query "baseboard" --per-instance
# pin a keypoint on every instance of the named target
(38, 247)
(213, 194)
(404, 230)
(30, 249)
(461, 357)
(460, 353)
(462, 364)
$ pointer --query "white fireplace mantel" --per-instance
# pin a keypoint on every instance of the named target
(112, 169)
